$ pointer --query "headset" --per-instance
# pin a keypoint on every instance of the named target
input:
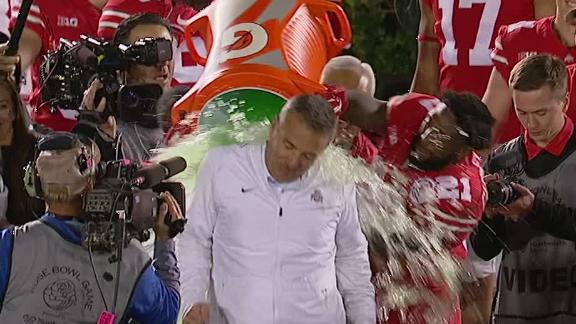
(51, 142)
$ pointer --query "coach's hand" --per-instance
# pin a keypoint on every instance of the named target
(198, 314)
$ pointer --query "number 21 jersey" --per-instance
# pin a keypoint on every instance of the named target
(466, 30)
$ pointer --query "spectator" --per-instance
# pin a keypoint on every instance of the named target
(17, 143)
(47, 22)
(551, 35)
(57, 280)
(536, 266)
(283, 246)
(4, 21)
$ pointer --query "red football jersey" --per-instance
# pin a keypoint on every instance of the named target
(518, 41)
(53, 20)
(186, 71)
(456, 193)
(466, 30)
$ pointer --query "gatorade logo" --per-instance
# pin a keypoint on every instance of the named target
(243, 40)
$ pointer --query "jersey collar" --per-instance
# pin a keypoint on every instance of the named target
(555, 147)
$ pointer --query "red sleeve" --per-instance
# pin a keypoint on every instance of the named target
(508, 43)
(115, 11)
(38, 20)
(500, 53)
(338, 98)
(364, 148)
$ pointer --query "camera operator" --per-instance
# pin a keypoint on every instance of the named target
(537, 267)
(47, 22)
(60, 280)
(140, 132)
(177, 12)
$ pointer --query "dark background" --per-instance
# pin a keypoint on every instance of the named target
(384, 35)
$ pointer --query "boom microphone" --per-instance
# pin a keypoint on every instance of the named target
(150, 176)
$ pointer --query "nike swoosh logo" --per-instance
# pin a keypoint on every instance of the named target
(246, 190)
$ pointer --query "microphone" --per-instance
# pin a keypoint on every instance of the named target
(152, 175)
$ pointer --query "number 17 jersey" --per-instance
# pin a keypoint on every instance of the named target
(466, 30)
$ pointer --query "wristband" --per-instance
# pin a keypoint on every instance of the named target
(426, 38)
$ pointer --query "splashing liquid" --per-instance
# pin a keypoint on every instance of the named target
(406, 256)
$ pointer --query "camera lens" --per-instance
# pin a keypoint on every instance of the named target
(500, 193)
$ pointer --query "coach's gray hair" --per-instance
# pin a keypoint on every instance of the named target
(316, 112)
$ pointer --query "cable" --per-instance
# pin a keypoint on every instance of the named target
(118, 144)
(120, 246)
(96, 276)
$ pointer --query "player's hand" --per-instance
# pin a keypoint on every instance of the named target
(170, 209)
(108, 126)
(8, 63)
(198, 314)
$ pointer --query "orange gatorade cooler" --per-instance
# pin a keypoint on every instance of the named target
(260, 53)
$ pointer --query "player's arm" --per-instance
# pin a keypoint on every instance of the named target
(544, 8)
(34, 34)
(28, 50)
(366, 112)
(426, 76)
(498, 99)
(29, 47)
(497, 96)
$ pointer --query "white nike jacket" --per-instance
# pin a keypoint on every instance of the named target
(276, 253)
